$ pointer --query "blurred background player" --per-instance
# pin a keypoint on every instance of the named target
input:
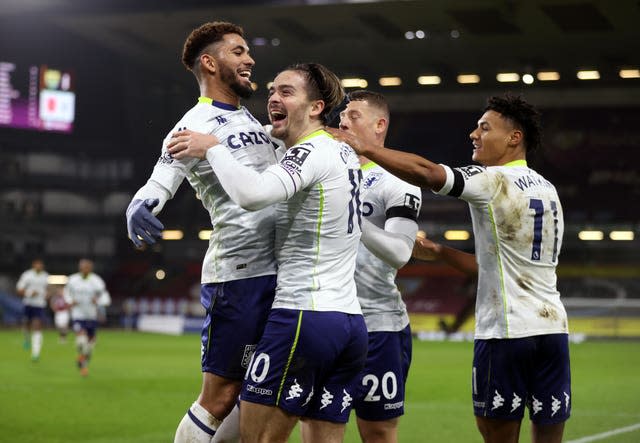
(85, 292)
(239, 269)
(521, 350)
(390, 208)
(314, 345)
(61, 314)
(32, 287)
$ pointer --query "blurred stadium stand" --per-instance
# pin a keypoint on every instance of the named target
(63, 196)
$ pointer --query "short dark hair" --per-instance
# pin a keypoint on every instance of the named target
(522, 114)
(202, 37)
(322, 84)
(374, 98)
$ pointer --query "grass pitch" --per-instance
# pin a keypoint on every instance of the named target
(140, 385)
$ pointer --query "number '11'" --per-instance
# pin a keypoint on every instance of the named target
(538, 207)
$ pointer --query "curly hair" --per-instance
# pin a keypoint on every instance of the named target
(522, 114)
(202, 37)
(322, 84)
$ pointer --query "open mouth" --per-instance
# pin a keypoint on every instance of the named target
(277, 117)
(245, 73)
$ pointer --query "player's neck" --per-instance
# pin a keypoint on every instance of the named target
(303, 133)
(219, 93)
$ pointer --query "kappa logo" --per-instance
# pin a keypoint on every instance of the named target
(498, 400)
(567, 402)
(295, 390)
(515, 402)
(555, 405)
(327, 398)
(470, 171)
(346, 400)
(308, 397)
(536, 405)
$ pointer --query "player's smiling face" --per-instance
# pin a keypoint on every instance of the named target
(290, 109)
(490, 139)
(235, 64)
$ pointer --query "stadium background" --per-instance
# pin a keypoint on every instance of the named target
(63, 196)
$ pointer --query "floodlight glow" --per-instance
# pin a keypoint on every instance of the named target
(205, 234)
(429, 80)
(590, 235)
(54, 279)
(354, 83)
(172, 234)
(390, 81)
(160, 274)
(621, 235)
(527, 79)
(629, 73)
(468, 78)
(456, 235)
(548, 76)
(588, 75)
(505, 77)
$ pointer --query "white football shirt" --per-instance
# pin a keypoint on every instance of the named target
(241, 244)
(383, 196)
(318, 227)
(35, 288)
(518, 226)
(87, 292)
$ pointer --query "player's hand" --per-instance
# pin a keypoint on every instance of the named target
(142, 225)
(348, 138)
(425, 249)
(187, 143)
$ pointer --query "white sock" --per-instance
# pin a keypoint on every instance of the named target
(36, 343)
(88, 349)
(197, 426)
(81, 344)
(229, 430)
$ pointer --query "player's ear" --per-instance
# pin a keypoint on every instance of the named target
(317, 107)
(208, 63)
(381, 125)
(515, 138)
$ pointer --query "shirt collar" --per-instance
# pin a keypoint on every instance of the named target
(516, 163)
(221, 105)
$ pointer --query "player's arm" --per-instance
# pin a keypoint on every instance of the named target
(142, 224)
(426, 249)
(248, 188)
(104, 298)
(21, 286)
(412, 168)
(393, 244)
(67, 293)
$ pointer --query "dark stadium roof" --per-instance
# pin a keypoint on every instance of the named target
(368, 39)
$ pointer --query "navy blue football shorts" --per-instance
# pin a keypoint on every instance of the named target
(307, 363)
(237, 312)
(511, 373)
(381, 389)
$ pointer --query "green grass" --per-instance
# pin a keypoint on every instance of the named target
(140, 385)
